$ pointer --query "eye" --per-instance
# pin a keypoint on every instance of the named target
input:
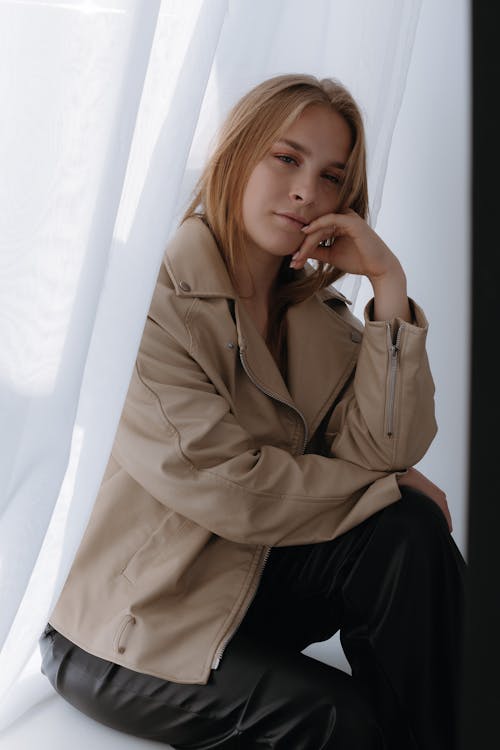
(286, 159)
(333, 178)
(285, 156)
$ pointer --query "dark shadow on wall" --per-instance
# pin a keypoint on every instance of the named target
(481, 675)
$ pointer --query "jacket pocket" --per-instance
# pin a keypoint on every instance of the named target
(157, 547)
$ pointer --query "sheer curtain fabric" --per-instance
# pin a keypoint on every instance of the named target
(110, 109)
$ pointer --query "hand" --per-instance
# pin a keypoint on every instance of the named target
(357, 249)
(418, 481)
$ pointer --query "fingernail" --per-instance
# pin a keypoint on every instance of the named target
(303, 229)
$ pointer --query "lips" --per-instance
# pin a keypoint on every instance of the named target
(293, 220)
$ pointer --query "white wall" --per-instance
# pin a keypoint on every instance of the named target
(425, 220)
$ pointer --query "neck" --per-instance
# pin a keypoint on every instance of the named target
(263, 269)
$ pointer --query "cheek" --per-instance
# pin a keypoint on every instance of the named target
(251, 191)
(330, 201)
(265, 179)
(256, 192)
(248, 206)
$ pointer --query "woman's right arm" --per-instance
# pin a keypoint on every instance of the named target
(178, 438)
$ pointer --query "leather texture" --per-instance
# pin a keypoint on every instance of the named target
(217, 459)
(394, 585)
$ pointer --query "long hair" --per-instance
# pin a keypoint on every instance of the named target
(253, 124)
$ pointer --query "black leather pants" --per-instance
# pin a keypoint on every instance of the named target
(394, 586)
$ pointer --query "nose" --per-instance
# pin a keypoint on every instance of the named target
(303, 189)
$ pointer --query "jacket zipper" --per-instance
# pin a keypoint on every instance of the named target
(276, 398)
(394, 350)
(236, 623)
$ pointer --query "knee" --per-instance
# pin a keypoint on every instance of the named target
(416, 517)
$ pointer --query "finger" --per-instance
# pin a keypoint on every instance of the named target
(319, 244)
(311, 246)
(328, 220)
(322, 230)
(300, 257)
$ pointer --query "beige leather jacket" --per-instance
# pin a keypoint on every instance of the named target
(216, 460)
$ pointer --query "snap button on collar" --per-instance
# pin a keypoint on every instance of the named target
(184, 286)
(356, 337)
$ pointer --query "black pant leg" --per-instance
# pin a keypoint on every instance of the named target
(404, 609)
(299, 599)
(395, 587)
(261, 696)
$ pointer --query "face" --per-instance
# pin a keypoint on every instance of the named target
(302, 176)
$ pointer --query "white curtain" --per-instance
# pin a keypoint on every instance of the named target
(109, 108)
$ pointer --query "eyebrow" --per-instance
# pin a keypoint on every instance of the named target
(306, 151)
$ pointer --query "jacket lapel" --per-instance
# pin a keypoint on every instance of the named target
(258, 360)
(321, 355)
(321, 345)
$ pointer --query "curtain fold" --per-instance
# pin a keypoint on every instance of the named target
(57, 259)
(113, 106)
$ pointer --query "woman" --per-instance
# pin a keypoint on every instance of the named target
(260, 494)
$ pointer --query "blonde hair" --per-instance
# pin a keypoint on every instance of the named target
(254, 123)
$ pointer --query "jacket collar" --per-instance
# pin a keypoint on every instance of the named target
(195, 263)
(198, 269)
(321, 346)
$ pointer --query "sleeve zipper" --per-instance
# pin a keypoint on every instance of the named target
(394, 350)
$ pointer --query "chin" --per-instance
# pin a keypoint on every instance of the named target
(272, 240)
(286, 244)
(282, 250)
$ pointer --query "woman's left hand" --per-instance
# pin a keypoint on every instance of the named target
(414, 478)
(357, 247)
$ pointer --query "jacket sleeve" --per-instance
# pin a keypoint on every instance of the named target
(386, 419)
(178, 439)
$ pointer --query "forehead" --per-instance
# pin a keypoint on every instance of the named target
(323, 133)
